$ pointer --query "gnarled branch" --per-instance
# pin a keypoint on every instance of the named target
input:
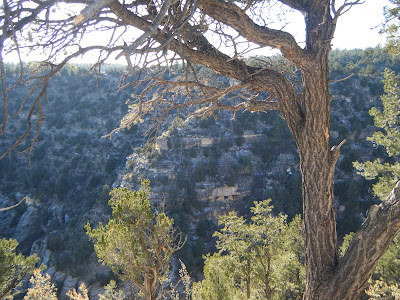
(369, 244)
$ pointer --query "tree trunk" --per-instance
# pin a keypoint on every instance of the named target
(148, 290)
(326, 277)
(317, 163)
(248, 287)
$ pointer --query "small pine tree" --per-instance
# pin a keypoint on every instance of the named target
(42, 288)
(81, 294)
(13, 267)
(111, 293)
(260, 259)
(389, 137)
(136, 243)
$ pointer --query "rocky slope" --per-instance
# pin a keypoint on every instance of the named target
(198, 169)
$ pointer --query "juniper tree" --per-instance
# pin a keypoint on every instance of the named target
(260, 259)
(136, 243)
(388, 136)
(13, 267)
(41, 287)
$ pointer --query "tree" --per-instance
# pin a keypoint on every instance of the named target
(216, 34)
(42, 288)
(380, 290)
(111, 293)
(388, 270)
(389, 137)
(391, 27)
(81, 294)
(13, 267)
(386, 275)
(136, 243)
(260, 259)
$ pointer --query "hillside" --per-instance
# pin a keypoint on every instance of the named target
(198, 168)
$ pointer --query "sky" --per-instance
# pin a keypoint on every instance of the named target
(359, 27)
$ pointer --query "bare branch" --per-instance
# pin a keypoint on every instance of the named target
(237, 18)
(344, 8)
(342, 79)
(90, 10)
(368, 245)
(152, 28)
(13, 206)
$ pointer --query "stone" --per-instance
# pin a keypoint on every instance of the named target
(95, 291)
(68, 284)
(28, 229)
(7, 217)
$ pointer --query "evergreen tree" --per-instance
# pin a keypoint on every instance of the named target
(136, 244)
(42, 288)
(260, 259)
(391, 27)
(388, 268)
(13, 267)
(388, 119)
(81, 294)
(111, 293)
(381, 290)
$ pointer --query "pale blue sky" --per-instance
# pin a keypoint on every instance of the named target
(358, 28)
(355, 28)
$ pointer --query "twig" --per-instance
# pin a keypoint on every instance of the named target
(13, 206)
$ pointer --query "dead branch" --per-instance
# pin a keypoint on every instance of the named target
(13, 206)
(90, 10)
(342, 79)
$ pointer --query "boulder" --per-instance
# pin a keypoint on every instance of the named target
(69, 284)
(28, 229)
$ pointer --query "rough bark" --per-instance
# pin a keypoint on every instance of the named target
(317, 162)
(369, 244)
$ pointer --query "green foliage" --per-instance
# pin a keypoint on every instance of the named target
(176, 123)
(388, 268)
(54, 242)
(261, 259)
(391, 27)
(81, 294)
(111, 293)
(389, 137)
(136, 243)
(387, 274)
(82, 250)
(346, 243)
(13, 267)
(42, 288)
(381, 290)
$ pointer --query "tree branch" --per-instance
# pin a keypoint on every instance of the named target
(90, 10)
(299, 5)
(200, 51)
(13, 206)
(152, 28)
(369, 244)
(344, 8)
(233, 16)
